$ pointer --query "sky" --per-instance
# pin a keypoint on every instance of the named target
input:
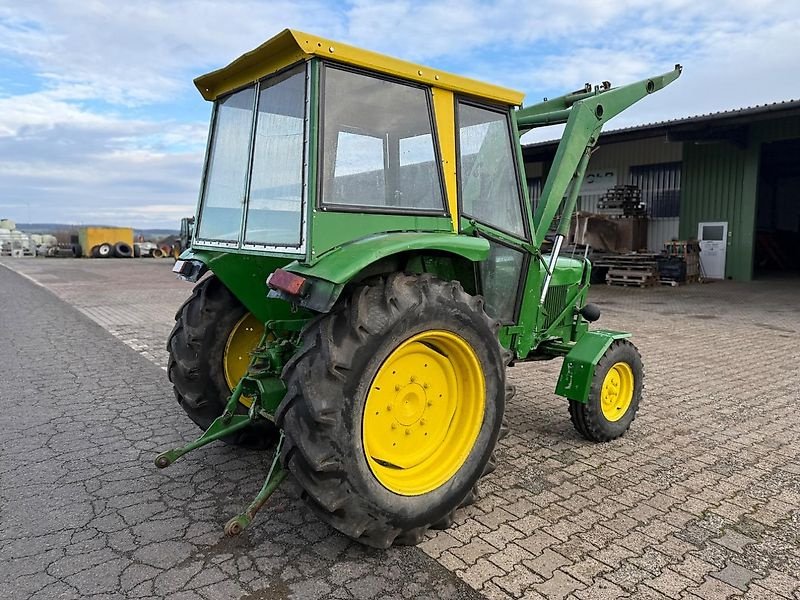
(100, 122)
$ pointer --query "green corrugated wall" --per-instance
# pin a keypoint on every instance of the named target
(720, 182)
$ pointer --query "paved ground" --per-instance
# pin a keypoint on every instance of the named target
(134, 300)
(700, 500)
(84, 514)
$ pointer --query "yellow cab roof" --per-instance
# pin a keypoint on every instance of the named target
(291, 46)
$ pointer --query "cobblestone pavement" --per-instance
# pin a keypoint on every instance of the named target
(701, 499)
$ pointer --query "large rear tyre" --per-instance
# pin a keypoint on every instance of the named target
(209, 352)
(614, 395)
(394, 404)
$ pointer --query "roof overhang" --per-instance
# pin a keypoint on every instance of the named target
(729, 126)
(291, 46)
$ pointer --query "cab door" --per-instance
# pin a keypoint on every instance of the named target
(491, 205)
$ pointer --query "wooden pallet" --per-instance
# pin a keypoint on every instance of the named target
(631, 270)
(625, 260)
(675, 282)
(630, 283)
(630, 278)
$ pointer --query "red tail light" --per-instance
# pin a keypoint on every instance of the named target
(287, 282)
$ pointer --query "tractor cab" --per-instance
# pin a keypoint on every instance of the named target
(304, 127)
(315, 145)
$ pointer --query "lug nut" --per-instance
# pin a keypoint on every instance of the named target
(408, 432)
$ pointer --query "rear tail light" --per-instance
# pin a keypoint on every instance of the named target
(287, 282)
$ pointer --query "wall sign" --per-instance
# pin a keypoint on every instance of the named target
(599, 181)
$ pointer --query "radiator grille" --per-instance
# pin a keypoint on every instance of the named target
(554, 303)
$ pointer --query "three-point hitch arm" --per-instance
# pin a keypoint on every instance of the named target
(585, 112)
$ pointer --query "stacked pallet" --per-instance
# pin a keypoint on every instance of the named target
(680, 263)
(622, 201)
(630, 270)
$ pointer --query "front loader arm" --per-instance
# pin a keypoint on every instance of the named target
(584, 112)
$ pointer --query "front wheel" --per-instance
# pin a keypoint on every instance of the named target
(393, 407)
(614, 395)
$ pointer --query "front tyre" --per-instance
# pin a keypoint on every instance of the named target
(614, 395)
(394, 405)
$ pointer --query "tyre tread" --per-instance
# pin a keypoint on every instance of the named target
(309, 414)
(586, 416)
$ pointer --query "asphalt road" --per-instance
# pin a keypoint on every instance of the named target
(84, 514)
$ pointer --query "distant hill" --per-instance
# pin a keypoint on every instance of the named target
(156, 233)
(54, 227)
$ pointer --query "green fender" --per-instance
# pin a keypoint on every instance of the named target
(245, 275)
(345, 262)
(331, 272)
(579, 364)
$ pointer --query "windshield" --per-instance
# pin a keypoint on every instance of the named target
(255, 166)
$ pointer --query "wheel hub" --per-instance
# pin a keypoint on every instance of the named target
(423, 412)
(616, 393)
(242, 340)
(410, 402)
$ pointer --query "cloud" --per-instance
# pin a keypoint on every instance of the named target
(95, 170)
(98, 115)
(146, 51)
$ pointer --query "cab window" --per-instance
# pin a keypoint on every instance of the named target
(378, 144)
(226, 173)
(489, 190)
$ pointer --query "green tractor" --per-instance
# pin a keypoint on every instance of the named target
(369, 263)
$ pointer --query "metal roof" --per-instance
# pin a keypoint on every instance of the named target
(726, 117)
(291, 46)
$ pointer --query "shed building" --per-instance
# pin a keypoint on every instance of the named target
(731, 177)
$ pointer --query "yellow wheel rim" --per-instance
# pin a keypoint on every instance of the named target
(243, 339)
(423, 412)
(617, 391)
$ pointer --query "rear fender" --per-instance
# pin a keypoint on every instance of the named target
(326, 278)
(245, 275)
